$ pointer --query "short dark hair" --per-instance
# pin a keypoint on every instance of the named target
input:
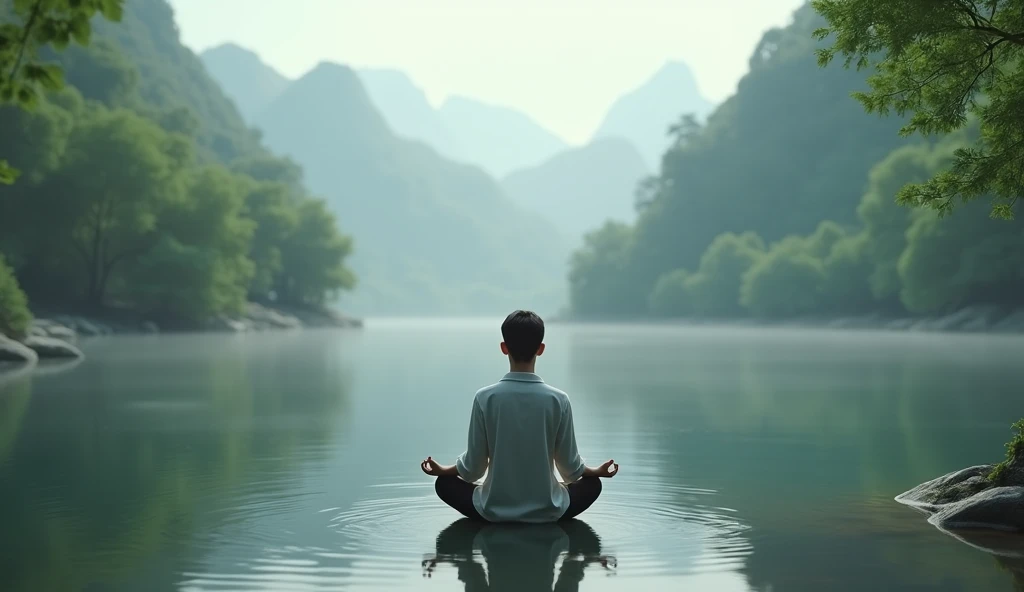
(523, 332)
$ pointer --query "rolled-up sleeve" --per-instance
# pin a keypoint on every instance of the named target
(473, 462)
(567, 458)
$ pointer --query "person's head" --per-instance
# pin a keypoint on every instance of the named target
(523, 334)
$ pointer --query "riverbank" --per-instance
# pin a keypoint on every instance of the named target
(54, 335)
(255, 317)
(968, 320)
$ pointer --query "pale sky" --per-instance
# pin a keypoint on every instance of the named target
(561, 61)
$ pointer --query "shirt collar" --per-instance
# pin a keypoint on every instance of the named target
(523, 377)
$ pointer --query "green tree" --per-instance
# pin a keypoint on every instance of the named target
(598, 270)
(942, 61)
(783, 283)
(846, 289)
(33, 140)
(670, 297)
(26, 26)
(968, 259)
(714, 290)
(313, 258)
(14, 314)
(273, 208)
(119, 172)
(199, 266)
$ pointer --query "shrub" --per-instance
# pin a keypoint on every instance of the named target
(14, 314)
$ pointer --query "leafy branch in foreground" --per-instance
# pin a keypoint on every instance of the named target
(945, 63)
(28, 25)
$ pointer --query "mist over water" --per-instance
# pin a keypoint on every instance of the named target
(752, 459)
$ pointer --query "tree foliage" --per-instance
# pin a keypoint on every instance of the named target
(313, 256)
(14, 314)
(125, 200)
(784, 283)
(791, 160)
(670, 297)
(714, 291)
(942, 61)
(787, 151)
(26, 26)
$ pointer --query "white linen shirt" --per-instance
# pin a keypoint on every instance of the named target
(520, 430)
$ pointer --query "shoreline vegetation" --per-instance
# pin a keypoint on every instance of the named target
(145, 202)
(976, 319)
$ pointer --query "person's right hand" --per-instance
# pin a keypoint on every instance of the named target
(607, 470)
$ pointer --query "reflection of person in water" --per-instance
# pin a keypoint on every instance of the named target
(519, 557)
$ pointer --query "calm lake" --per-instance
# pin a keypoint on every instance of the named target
(752, 459)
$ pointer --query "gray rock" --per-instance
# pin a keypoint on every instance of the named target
(12, 351)
(48, 328)
(998, 508)
(267, 318)
(947, 489)
(49, 347)
(966, 499)
(225, 324)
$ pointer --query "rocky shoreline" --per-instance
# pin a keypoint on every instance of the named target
(969, 500)
(54, 337)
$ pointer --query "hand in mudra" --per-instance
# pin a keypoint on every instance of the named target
(607, 469)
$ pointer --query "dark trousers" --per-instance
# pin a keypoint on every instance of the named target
(459, 495)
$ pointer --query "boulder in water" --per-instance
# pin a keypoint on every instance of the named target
(48, 328)
(13, 351)
(968, 499)
(49, 347)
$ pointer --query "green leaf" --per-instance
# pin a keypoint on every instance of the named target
(113, 10)
(81, 32)
(26, 97)
(49, 76)
(1002, 212)
(23, 6)
(8, 174)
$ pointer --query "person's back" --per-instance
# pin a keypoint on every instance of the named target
(527, 424)
(520, 430)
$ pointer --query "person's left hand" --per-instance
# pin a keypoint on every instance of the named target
(431, 467)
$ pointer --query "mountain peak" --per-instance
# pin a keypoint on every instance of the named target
(231, 49)
(244, 77)
(644, 114)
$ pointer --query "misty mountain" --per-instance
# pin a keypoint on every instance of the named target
(499, 139)
(431, 235)
(245, 78)
(580, 188)
(644, 114)
(408, 112)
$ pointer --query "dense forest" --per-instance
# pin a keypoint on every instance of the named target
(142, 192)
(783, 205)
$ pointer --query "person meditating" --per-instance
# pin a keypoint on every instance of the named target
(518, 428)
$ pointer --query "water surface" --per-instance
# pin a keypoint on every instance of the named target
(752, 459)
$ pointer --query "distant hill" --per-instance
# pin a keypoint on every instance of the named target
(644, 114)
(580, 188)
(499, 139)
(407, 110)
(251, 83)
(431, 236)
